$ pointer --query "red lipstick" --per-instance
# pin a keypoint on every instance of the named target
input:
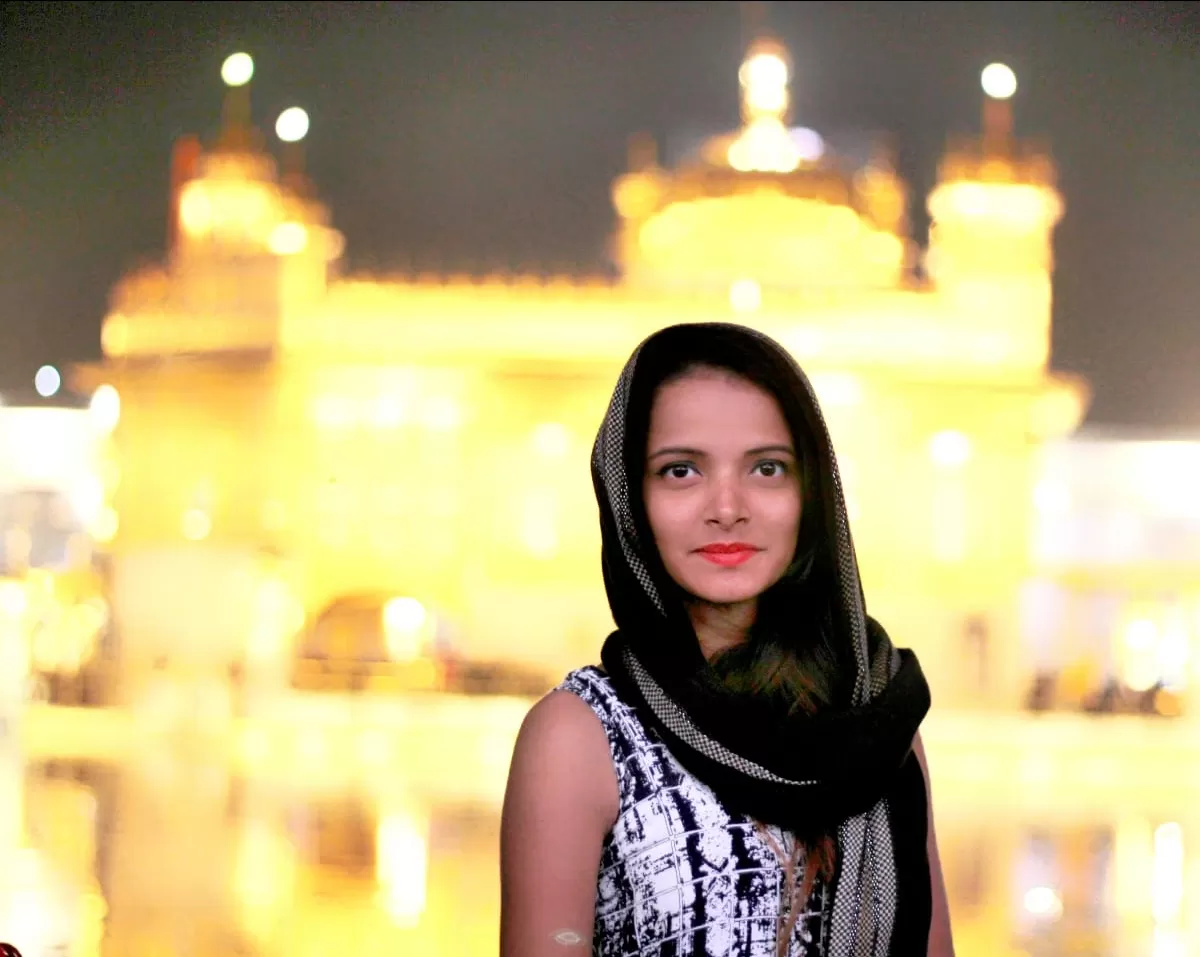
(728, 554)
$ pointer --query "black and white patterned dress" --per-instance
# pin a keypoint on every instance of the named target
(679, 874)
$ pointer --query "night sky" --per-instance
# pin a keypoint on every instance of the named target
(473, 135)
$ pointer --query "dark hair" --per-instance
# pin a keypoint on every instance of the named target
(792, 659)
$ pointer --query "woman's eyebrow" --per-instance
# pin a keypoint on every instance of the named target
(677, 450)
(764, 449)
(699, 453)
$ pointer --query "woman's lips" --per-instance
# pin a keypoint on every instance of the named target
(728, 555)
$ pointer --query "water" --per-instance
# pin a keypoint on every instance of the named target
(376, 832)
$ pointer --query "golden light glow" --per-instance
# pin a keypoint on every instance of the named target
(114, 335)
(1010, 204)
(539, 523)
(237, 70)
(229, 209)
(765, 145)
(288, 239)
(106, 527)
(13, 601)
(277, 617)
(998, 81)
(196, 525)
(195, 211)
(442, 414)
(264, 873)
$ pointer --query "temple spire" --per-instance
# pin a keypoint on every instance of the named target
(237, 128)
(999, 84)
(764, 145)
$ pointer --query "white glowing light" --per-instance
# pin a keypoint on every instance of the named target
(764, 70)
(1051, 498)
(374, 747)
(539, 532)
(998, 81)
(105, 407)
(1043, 902)
(401, 863)
(551, 440)
(404, 615)
(237, 69)
(288, 239)
(745, 295)
(1167, 880)
(442, 414)
(1141, 641)
(810, 145)
(47, 381)
(837, 389)
(292, 125)
(106, 525)
(13, 600)
(1169, 942)
(388, 412)
(766, 146)
(950, 449)
(196, 525)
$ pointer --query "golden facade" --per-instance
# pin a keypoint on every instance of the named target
(289, 436)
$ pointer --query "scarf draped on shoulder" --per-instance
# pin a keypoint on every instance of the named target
(848, 768)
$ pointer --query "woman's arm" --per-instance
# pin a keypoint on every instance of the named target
(560, 803)
(941, 942)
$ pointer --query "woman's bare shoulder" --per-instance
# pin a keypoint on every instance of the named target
(562, 726)
(560, 802)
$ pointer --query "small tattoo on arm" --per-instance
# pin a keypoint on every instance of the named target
(568, 938)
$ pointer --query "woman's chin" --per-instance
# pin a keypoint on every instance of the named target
(726, 590)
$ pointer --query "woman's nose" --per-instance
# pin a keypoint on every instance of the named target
(728, 506)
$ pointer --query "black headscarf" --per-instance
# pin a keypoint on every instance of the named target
(847, 769)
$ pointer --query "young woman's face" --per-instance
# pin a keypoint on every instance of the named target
(721, 487)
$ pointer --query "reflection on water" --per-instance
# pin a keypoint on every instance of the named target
(179, 847)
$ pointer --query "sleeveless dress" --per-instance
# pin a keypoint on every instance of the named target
(679, 873)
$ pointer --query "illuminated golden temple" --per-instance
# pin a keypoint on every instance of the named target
(289, 437)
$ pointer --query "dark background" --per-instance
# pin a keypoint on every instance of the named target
(465, 135)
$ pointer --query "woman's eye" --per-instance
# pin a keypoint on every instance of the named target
(677, 470)
(771, 469)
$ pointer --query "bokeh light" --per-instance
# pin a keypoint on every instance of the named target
(47, 381)
(292, 125)
(998, 81)
(237, 70)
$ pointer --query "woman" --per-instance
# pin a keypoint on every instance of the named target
(744, 776)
